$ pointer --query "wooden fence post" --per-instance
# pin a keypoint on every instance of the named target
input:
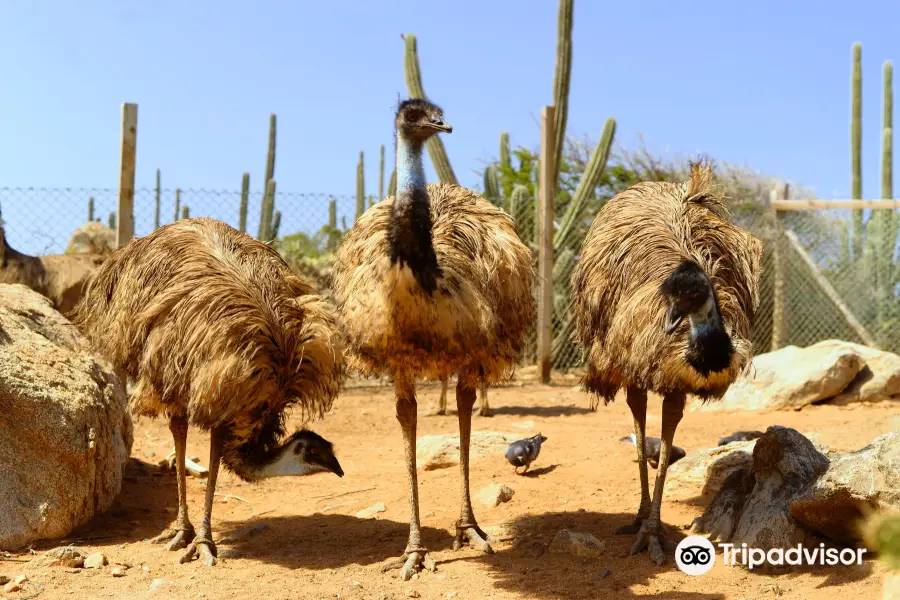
(125, 221)
(545, 244)
(779, 296)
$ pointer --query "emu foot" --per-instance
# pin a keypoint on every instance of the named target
(410, 562)
(203, 548)
(632, 527)
(436, 412)
(485, 412)
(474, 535)
(650, 535)
(178, 537)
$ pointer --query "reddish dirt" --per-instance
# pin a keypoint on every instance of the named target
(315, 547)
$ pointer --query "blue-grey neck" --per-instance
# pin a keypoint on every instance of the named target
(410, 165)
(706, 319)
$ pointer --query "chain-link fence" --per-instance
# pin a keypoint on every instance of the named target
(822, 278)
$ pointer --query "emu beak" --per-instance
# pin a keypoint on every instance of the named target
(332, 464)
(673, 320)
(441, 126)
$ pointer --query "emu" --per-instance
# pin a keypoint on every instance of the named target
(219, 333)
(431, 282)
(664, 291)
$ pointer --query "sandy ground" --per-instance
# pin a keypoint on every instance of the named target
(312, 545)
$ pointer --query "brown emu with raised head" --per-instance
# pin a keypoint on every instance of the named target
(665, 290)
(431, 282)
(219, 333)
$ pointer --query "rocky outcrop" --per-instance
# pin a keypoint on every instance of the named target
(442, 451)
(65, 434)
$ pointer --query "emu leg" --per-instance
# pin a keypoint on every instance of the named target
(182, 532)
(637, 402)
(466, 527)
(416, 555)
(485, 408)
(442, 403)
(651, 531)
(203, 544)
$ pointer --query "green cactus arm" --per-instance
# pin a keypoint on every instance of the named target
(276, 224)
(856, 147)
(491, 185)
(505, 164)
(392, 184)
(435, 146)
(332, 213)
(589, 180)
(245, 200)
(360, 187)
(267, 210)
(887, 141)
(112, 220)
(270, 153)
(562, 77)
(381, 173)
(91, 209)
(185, 212)
(177, 203)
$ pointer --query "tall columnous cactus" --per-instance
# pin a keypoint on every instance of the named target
(276, 224)
(360, 186)
(185, 212)
(564, 236)
(506, 188)
(381, 173)
(91, 209)
(267, 211)
(491, 185)
(332, 213)
(112, 220)
(521, 209)
(270, 153)
(887, 140)
(177, 203)
(156, 202)
(414, 84)
(856, 147)
(392, 184)
(245, 200)
(561, 78)
(887, 279)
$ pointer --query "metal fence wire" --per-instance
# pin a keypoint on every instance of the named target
(822, 278)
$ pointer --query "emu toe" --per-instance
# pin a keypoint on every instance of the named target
(650, 535)
(178, 538)
(476, 538)
(410, 562)
(203, 548)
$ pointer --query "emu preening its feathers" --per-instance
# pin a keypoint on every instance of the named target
(431, 282)
(219, 333)
(665, 291)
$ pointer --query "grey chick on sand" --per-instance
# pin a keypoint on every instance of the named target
(651, 450)
(524, 452)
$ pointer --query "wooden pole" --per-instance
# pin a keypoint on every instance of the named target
(779, 335)
(125, 221)
(545, 244)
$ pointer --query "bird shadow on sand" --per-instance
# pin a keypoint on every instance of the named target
(539, 472)
(540, 411)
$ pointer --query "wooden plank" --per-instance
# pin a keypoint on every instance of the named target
(125, 217)
(545, 244)
(813, 204)
(779, 324)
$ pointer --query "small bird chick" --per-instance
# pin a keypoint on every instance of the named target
(524, 452)
(741, 436)
(651, 450)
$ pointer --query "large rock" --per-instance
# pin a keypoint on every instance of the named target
(853, 484)
(752, 505)
(879, 378)
(442, 451)
(92, 238)
(791, 378)
(65, 434)
(702, 474)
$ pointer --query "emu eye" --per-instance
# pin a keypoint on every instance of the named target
(313, 450)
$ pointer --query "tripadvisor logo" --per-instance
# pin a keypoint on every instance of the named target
(695, 555)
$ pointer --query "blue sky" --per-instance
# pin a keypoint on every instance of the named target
(764, 84)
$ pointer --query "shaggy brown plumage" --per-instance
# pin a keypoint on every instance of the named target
(431, 282)
(59, 277)
(218, 332)
(665, 291)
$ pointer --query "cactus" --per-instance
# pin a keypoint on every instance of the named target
(177, 203)
(112, 220)
(332, 213)
(414, 83)
(887, 221)
(392, 184)
(344, 223)
(185, 212)
(381, 173)
(156, 210)
(520, 205)
(491, 185)
(887, 140)
(245, 200)
(564, 237)
(267, 212)
(276, 223)
(561, 78)
(360, 186)
(91, 209)
(270, 154)
(856, 147)
(505, 164)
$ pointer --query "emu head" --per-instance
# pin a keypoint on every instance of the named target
(304, 453)
(689, 293)
(419, 119)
